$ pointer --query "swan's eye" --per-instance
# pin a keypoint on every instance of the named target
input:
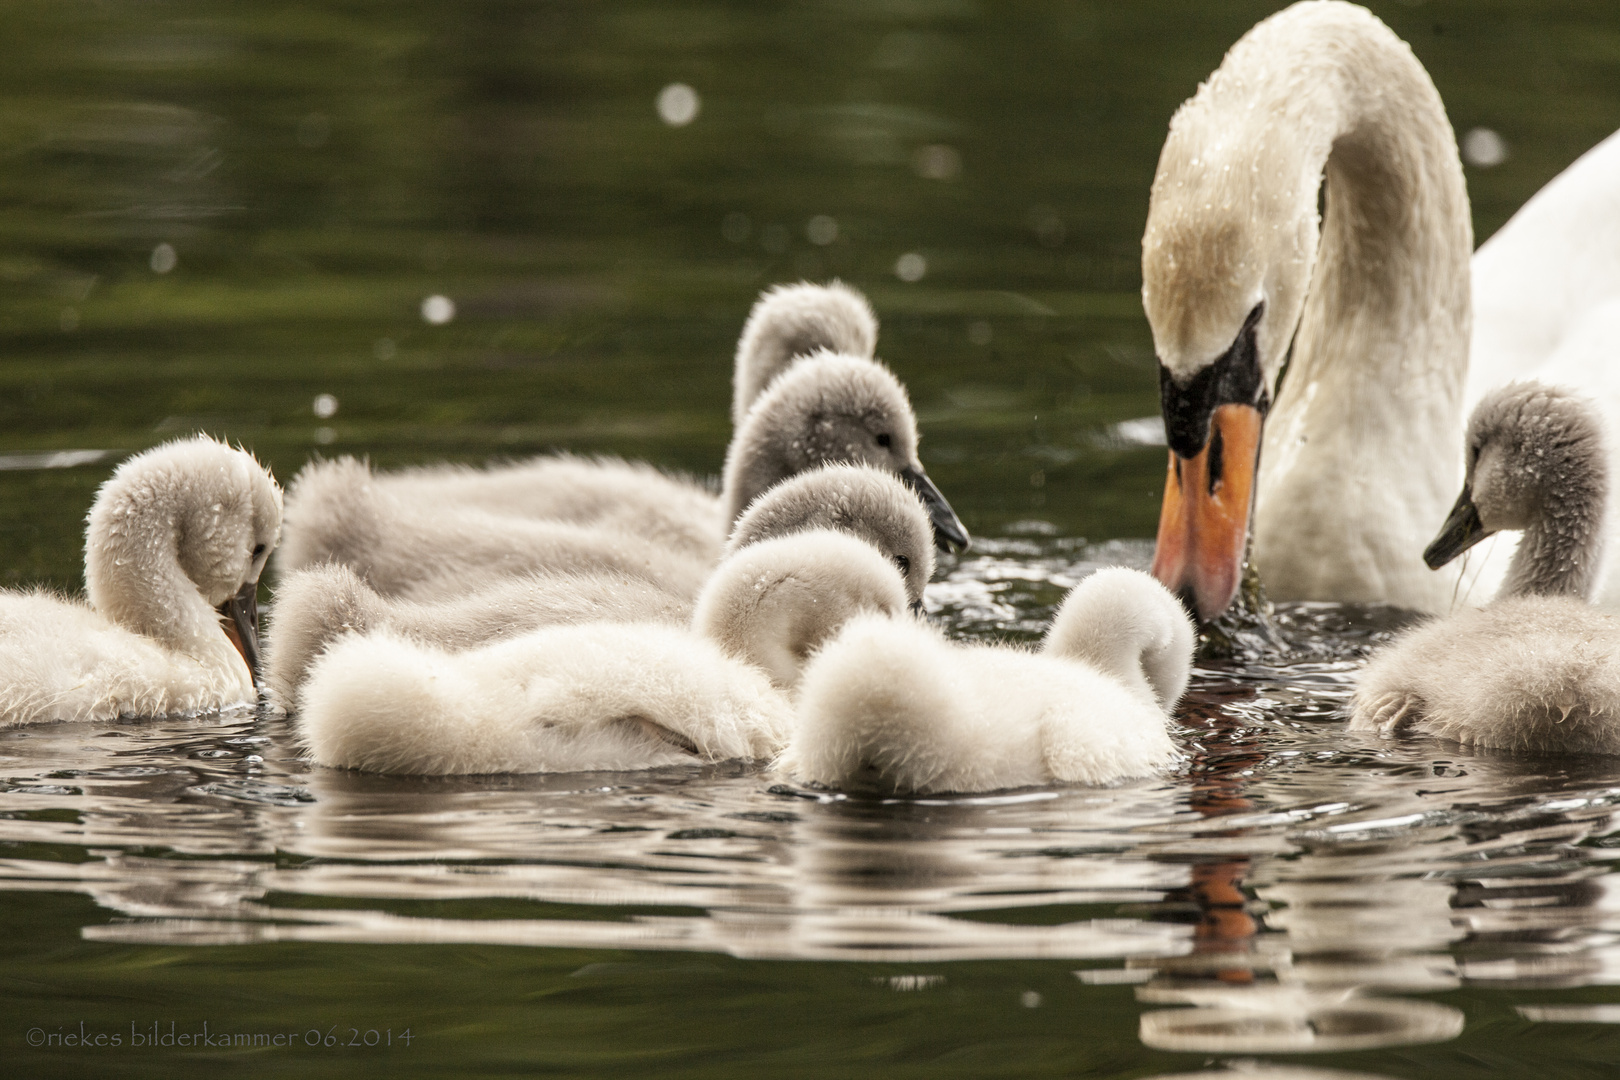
(904, 564)
(884, 441)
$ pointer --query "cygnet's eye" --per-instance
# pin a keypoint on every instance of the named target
(258, 550)
(904, 564)
(884, 440)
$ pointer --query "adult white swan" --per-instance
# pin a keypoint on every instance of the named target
(1368, 307)
(175, 544)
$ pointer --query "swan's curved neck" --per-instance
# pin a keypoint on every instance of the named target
(133, 574)
(1362, 450)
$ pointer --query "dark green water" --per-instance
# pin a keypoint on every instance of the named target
(317, 171)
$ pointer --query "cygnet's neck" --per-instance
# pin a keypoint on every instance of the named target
(775, 602)
(1561, 550)
(1127, 625)
(132, 567)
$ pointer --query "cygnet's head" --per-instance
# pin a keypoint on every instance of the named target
(790, 321)
(1536, 461)
(773, 603)
(1129, 626)
(176, 541)
(830, 407)
(857, 499)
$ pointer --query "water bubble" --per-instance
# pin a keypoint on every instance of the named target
(736, 227)
(69, 320)
(314, 130)
(1484, 148)
(821, 230)
(937, 161)
(910, 267)
(384, 348)
(325, 436)
(164, 259)
(774, 238)
(1050, 232)
(979, 332)
(326, 406)
(1030, 999)
(678, 104)
(438, 310)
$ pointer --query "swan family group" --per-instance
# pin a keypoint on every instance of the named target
(1321, 322)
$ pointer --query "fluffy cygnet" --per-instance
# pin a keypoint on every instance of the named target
(420, 549)
(790, 321)
(601, 695)
(317, 605)
(856, 499)
(175, 544)
(825, 408)
(1537, 669)
(891, 705)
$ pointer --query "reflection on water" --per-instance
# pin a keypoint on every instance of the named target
(1294, 889)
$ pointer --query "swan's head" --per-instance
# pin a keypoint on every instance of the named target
(1536, 457)
(774, 602)
(831, 407)
(1129, 626)
(857, 499)
(177, 539)
(1231, 237)
(790, 321)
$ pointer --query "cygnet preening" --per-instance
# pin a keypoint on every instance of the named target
(891, 705)
(602, 695)
(175, 544)
(1537, 669)
(316, 605)
(790, 321)
(856, 499)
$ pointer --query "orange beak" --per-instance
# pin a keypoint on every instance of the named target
(1204, 522)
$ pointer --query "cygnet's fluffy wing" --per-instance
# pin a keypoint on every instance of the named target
(672, 511)
(562, 699)
(337, 513)
(314, 607)
(60, 660)
(889, 704)
(1531, 674)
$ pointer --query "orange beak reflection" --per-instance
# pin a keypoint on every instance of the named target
(1204, 522)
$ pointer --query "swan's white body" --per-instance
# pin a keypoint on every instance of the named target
(601, 695)
(894, 706)
(1359, 452)
(175, 533)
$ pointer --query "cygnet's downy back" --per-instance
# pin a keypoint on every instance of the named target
(826, 408)
(1536, 462)
(857, 499)
(790, 321)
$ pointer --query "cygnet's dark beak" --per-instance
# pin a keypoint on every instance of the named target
(949, 535)
(1462, 530)
(241, 615)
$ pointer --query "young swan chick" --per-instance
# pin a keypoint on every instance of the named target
(175, 543)
(601, 695)
(891, 705)
(790, 321)
(1537, 669)
(858, 499)
(316, 606)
